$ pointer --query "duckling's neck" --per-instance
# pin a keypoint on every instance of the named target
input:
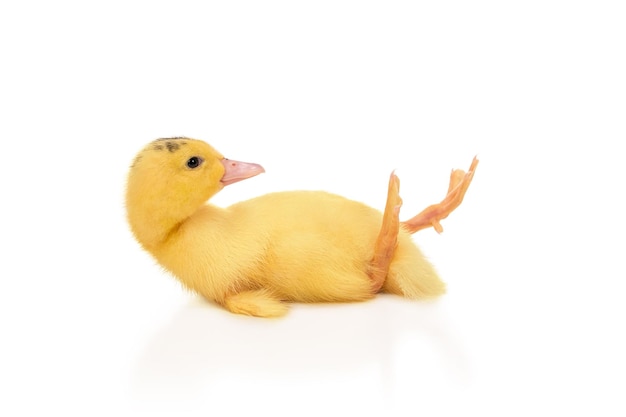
(151, 231)
(155, 224)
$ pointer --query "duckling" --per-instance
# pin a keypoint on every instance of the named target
(256, 256)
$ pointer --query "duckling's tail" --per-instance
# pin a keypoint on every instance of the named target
(432, 215)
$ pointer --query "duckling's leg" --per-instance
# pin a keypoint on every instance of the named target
(259, 303)
(388, 236)
(459, 182)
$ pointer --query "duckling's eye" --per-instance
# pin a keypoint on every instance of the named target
(194, 162)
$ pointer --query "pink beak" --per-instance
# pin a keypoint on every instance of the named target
(235, 171)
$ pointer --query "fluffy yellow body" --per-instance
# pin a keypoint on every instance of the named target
(252, 257)
(295, 246)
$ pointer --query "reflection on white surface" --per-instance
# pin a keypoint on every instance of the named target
(346, 354)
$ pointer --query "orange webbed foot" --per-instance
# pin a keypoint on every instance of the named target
(388, 237)
(432, 215)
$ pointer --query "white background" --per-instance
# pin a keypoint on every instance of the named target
(326, 95)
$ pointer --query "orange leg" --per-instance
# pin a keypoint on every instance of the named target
(388, 237)
(459, 182)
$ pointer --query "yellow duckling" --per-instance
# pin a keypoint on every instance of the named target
(256, 255)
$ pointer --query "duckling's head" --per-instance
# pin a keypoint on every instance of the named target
(171, 178)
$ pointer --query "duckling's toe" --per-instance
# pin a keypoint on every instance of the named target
(432, 215)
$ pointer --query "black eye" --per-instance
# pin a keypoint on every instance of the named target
(194, 162)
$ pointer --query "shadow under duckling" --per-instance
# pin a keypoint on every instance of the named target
(256, 255)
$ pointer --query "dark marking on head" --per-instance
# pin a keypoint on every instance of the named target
(172, 146)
